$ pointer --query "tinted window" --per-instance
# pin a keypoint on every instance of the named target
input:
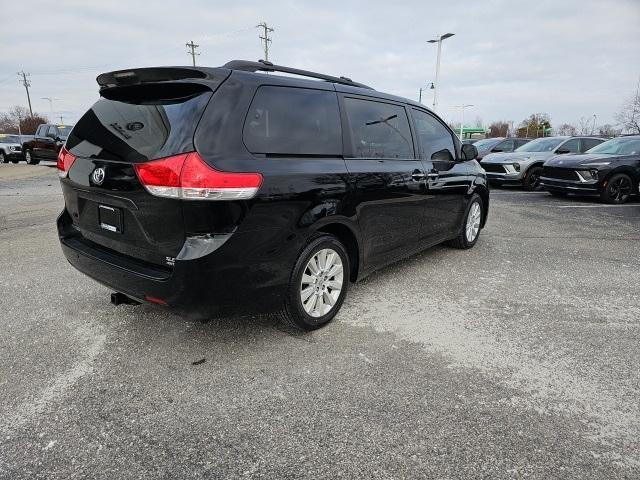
(434, 138)
(52, 132)
(588, 143)
(379, 130)
(286, 120)
(42, 131)
(572, 145)
(140, 123)
(519, 143)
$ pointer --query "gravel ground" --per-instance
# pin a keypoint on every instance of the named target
(516, 359)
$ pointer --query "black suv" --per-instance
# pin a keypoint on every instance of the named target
(215, 189)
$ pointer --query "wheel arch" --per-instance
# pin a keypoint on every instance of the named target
(483, 191)
(349, 239)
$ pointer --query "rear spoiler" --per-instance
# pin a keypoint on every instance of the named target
(136, 76)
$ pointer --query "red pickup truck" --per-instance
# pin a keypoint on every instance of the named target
(46, 143)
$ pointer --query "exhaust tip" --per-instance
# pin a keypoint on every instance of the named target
(118, 298)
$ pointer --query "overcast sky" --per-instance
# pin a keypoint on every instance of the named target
(569, 58)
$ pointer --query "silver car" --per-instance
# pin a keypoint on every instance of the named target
(523, 166)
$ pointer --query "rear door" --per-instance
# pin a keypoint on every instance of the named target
(588, 143)
(39, 141)
(104, 197)
(447, 181)
(387, 179)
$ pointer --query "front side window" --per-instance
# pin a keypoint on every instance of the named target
(434, 138)
(541, 145)
(379, 130)
(52, 132)
(293, 121)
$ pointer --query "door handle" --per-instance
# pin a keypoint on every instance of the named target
(433, 176)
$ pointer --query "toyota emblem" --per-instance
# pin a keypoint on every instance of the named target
(98, 176)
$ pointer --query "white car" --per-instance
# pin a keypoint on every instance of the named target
(10, 148)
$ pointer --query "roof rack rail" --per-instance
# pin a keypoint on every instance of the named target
(265, 66)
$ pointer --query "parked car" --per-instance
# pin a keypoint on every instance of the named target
(499, 144)
(470, 141)
(46, 143)
(610, 170)
(10, 148)
(217, 189)
(523, 166)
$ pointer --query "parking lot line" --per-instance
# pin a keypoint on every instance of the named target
(596, 206)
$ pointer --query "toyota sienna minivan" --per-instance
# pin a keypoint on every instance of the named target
(209, 190)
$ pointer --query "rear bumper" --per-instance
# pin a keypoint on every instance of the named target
(569, 186)
(237, 277)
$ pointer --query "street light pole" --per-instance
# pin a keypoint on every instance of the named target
(50, 100)
(463, 106)
(430, 87)
(593, 129)
(439, 42)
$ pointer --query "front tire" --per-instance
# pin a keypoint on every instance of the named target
(3, 158)
(618, 189)
(532, 179)
(28, 157)
(471, 226)
(318, 284)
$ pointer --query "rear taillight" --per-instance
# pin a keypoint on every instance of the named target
(65, 160)
(187, 176)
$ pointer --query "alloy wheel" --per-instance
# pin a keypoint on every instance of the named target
(473, 221)
(620, 189)
(27, 156)
(322, 282)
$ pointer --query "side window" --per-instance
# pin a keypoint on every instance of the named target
(435, 139)
(572, 145)
(42, 131)
(52, 131)
(506, 146)
(519, 143)
(285, 120)
(379, 130)
(588, 143)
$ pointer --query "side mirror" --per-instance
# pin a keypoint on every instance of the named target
(469, 152)
(560, 151)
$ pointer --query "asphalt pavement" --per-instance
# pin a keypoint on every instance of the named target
(516, 359)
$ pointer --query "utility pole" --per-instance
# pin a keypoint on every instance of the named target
(27, 84)
(265, 38)
(439, 42)
(61, 122)
(193, 52)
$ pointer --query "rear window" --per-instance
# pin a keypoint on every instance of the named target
(136, 124)
(293, 121)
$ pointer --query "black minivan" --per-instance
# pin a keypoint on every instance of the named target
(209, 190)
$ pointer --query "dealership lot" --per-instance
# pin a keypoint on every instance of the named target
(518, 358)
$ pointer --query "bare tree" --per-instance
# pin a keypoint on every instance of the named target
(585, 125)
(629, 115)
(20, 117)
(608, 130)
(498, 129)
(534, 126)
(478, 122)
(567, 129)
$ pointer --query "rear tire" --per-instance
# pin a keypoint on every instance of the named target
(618, 190)
(470, 230)
(3, 158)
(532, 179)
(318, 284)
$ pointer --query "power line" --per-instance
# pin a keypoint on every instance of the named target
(27, 84)
(193, 53)
(265, 38)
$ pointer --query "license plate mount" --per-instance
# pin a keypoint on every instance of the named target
(110, 218)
